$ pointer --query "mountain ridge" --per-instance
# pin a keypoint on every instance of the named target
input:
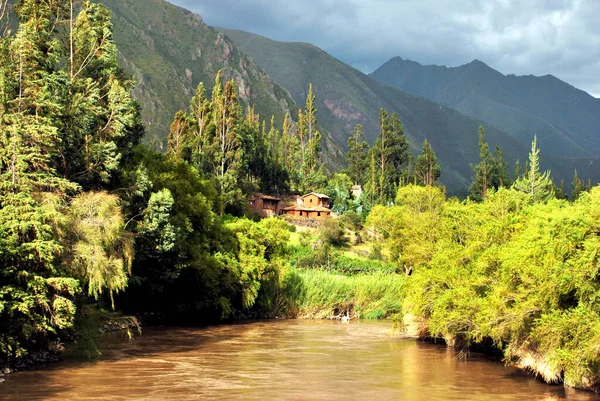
(522, 106)
(170, 49)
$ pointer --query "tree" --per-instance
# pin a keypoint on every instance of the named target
(391, 151)
(226, 146)
(500, 177)
(98, 250)
(517, 173)
(357, 155)
(339, 189)
(176, 141)
(36, 294)
(314, 136)
(482, 180)
(100, 119)
(560, 191)
(538, 185)
(578, 187)
(427, 169)
(201, 129)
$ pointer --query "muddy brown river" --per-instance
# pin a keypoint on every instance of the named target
(283, 360)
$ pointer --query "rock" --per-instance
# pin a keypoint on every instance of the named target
(6, 371)
(2, 380)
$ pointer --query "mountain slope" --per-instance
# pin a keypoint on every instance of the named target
(347, 97)
(566, 119)
(170, 50)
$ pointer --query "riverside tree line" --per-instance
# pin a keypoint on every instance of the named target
(91, 220)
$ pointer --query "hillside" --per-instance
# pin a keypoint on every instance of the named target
(347, 97)
(170, 50)
(566, 119)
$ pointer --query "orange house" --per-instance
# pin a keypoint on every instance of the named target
(265, 205)
(311, 206)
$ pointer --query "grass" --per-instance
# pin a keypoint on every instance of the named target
(321, 295)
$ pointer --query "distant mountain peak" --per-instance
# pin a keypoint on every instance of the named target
(478, 64)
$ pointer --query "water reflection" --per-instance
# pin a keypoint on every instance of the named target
(295, 360)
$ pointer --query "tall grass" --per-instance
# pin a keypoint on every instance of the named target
(320, 295)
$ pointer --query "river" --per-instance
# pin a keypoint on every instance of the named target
(284, 360)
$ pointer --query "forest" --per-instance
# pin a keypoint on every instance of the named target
(95, 225)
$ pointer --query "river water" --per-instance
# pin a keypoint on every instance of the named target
(284, 360)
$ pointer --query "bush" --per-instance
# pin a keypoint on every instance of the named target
(331, 232)
(351, 220)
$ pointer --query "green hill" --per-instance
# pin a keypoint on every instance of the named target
(566, 119)
(170, 50)
(346, 97)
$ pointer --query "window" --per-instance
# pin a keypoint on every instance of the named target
(300, 213)
(310, 200)
(319, 214)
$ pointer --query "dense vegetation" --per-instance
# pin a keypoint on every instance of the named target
(92, 222)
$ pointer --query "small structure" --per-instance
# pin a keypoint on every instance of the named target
(265, 205)
(356, 191)
(310, 206)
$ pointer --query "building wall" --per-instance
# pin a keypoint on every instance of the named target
(311, 201)
(297, 214)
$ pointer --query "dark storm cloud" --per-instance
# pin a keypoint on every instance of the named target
(559, 37)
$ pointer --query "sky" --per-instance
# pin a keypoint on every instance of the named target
(539, 37)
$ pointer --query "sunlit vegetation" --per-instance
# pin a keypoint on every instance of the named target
(95, 226)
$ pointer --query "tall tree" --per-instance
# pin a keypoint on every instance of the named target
(578, 187)
(500, 177)
(201, 129)
(36, 296)
(427, 169)
(482, 180)
(101, 121)
(357, 155)
(226, 146)
(534, 183)
(312, 132)
(178, 131)
(382, 146)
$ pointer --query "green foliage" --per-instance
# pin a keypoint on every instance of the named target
(510, 271)
(357, 155)
(578, 187)
(483, 171)
(351, 220)
(410, 230)
(98, 251)
(391, 154)
(331, 232)
(427, 169)
(320, 295)
(339, 188)
(538, 185)
(52, 244)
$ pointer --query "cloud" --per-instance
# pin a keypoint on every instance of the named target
(539, 37)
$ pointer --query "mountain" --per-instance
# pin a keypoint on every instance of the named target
(347, 97)
(170, 50)
(565, 119)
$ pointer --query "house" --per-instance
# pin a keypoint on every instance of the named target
(265, 205)
(356, 191)
(310, 206)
